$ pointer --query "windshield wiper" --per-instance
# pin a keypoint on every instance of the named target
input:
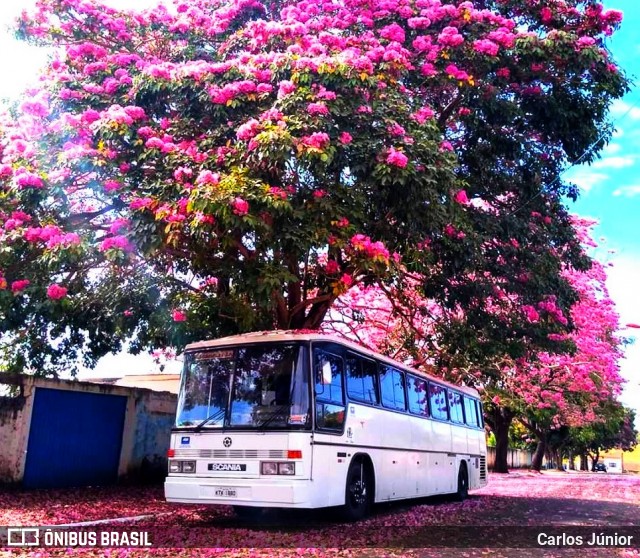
(211, 418)
(279, 413)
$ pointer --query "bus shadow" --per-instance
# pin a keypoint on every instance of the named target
(293, 520)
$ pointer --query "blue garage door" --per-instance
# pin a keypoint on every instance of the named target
(75, 439)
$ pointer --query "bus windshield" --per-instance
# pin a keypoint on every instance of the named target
(257, 386)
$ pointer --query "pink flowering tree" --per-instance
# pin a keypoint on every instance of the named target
(220, 166)
(550, 393)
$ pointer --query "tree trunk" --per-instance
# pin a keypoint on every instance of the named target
(559, 465)
(584, 463)
(572, 462)
(500, 421)
(538, 456)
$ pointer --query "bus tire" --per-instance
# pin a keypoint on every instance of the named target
(463, 483)
(358, 491)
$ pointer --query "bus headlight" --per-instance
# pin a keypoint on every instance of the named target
(175, 466)
(286, 468)
(268, 468)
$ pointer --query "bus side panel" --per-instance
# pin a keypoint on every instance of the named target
(459, 443)
(331, 460)
(397, 483)
(422, 437)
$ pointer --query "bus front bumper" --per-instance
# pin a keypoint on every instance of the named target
(238, 492)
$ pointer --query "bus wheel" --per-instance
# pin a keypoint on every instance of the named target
(463, 483)
(248, 513)
(358, 492)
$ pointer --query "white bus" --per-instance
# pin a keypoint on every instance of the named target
(306, 420)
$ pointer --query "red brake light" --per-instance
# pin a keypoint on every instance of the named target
(171, 453)
(294, 454)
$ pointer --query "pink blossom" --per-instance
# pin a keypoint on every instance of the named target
(56, 292)
(450, 37)
(546, 15)
(285, 88)
(5, 170)
(248, 130)
(346, 280)
(332, 267)
(446, 146)
(396, 158)
(461, 197)
(346, 138)
(154, 143)
(317, 140)
(423, 114)
(240, 206)
(90, 115)
(179, 315)
(531, 313)
(208, 177)
(373, 250)
(117, 242)
(317, 109)
(141, 203)
(111, 185)
(20, 285)
(118, 224)
(393, 32)
(26, 179)
(277, 192)
(485, 46)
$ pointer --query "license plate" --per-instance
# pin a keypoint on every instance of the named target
(225, 492)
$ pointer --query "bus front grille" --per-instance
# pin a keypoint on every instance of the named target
(483, 467)
(231, 453)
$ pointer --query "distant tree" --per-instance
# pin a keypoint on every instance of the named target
(615, 430)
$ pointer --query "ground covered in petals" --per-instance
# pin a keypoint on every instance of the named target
(495, 521)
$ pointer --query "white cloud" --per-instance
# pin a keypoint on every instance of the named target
(627, 191)
(611, 149)
(586, 179)
(622, 109)
(614, 162)
(622, 282)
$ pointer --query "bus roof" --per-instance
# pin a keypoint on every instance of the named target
(306, 335)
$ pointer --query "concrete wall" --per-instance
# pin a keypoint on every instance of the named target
(516, 458)
(145, 438)
(15, 415)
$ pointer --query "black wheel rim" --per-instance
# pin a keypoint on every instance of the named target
(358, 491)
(462, 483)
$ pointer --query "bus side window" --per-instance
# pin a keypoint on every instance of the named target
(438, 402)
(328, 371)
(480, 415)
(455, 407)
(361, 379)
(470, 412)
(417, 394)
(392, 388)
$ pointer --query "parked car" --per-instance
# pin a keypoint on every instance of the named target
(599, 467)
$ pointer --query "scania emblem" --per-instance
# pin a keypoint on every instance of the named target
(226, 442)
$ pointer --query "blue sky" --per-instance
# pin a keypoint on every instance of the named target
(610, 188)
